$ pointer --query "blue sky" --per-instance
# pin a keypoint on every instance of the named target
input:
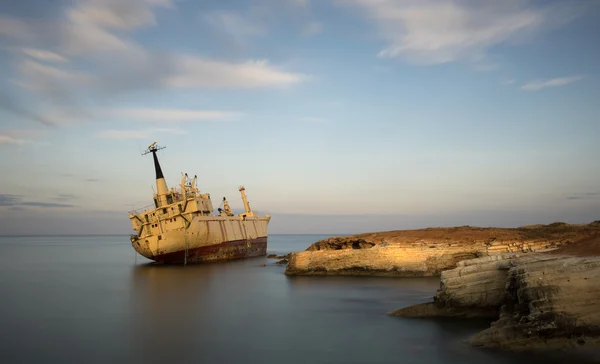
(339, 116)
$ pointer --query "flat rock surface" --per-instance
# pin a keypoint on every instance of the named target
(428, 252)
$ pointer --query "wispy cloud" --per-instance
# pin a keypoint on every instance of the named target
(194, 72)
(312, 28)
(96, 38)
(300, 3)
(45, 204)
(234, 24)
(43, 55)
(9, 200)
(5, 139)
(584, 196)
(64, 197)
(169, 115)
(137, 134)
(439, 31)
(18, 137)
(554, 82)
(312, 119)
(509, 82)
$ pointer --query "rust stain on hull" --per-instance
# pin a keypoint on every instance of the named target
(235, 249)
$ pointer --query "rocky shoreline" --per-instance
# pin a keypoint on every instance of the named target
(541, 284)
(427, 252)
(538, 300)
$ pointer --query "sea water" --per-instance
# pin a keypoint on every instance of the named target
(91, 299)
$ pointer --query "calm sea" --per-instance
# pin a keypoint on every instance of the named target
(89, 299)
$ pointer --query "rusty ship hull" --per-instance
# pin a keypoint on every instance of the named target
(211, 239)
(228, 250)
(180, 227)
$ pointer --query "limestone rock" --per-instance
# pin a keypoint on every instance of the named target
(394, 260)
(550, 302)
(542, 300)
(427, 252)
(475, 288)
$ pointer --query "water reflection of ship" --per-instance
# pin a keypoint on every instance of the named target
(164, 300)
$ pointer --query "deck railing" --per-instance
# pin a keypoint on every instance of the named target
(142, 210)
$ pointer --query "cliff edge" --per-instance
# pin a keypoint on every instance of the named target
(540, 300)
(428, 252)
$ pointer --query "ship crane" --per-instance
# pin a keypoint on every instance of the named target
(249, 211)
(226, 210)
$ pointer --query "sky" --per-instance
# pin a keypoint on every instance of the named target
(338, 116)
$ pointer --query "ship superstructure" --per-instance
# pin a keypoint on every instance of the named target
(180, 227)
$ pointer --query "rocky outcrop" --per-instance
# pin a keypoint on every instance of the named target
(427, 252)
(540, 300)
(475, 288)
(393, 260)
(548, 303)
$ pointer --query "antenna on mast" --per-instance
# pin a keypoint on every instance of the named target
(153, 148)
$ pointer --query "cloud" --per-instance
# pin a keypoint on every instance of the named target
(64, 197)
(169, 115)
(5, 139)
(95, 58)
(300, 3)
(45, 204)
(194, 72)
(508, 82)
(313, 119)
(584, 196)
(43, 55)
(312, 28)
(540, 84)
(17, 200)
(15, 28)
(18, 137)
(92, 24)
(9, 200)
(234, 24)
(440, 31)
(137, 134)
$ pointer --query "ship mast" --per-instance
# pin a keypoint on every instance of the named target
(161, 184)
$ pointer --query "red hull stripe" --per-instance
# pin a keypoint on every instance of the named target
(236, 249)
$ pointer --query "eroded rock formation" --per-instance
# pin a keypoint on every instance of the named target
(539, 300)
(550, 302)
(427, 252)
